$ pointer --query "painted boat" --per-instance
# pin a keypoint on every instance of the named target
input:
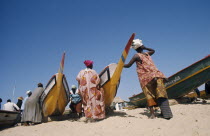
(183, 82)
(56, 94)
(110, 75)
(8, 118)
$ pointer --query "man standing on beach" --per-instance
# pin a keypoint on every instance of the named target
(24, 100)
(32, 111)
(151, 79)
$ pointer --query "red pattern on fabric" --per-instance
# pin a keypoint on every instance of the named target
(147, 70)
(92, 98)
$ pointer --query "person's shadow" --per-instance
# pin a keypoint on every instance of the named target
(147, 113)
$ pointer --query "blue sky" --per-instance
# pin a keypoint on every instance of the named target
(35, 33)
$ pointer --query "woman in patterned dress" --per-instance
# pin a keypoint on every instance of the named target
(92, 94)
(151, 79)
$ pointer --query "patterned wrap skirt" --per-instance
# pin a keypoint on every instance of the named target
(153, 90)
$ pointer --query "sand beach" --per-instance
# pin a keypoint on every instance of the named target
(189, 120)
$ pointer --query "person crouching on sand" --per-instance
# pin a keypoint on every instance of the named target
(151, 79)
(92, 95)
(75, 101)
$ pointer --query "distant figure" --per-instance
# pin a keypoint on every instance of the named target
(207, 88)
(10, 106)
(151, 79)
(24, 101)
(207, 91)
(117, 107)
(197, 92)
(0, 103)
(76, 101)
(120, 106)
(32, 111)
(92, 95)
(20, 101)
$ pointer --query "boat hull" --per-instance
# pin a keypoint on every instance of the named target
(110, 87)
(109, 83)
(8, 118)
(56, 96)
(183, 82)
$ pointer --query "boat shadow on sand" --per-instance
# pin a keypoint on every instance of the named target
(118, 113)
(7, 127)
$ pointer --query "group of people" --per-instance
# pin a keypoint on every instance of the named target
(151, 81)
(89, 97)
(19, 106)
(10, 106)
(30, 108)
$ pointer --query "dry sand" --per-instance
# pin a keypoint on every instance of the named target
(188, 120)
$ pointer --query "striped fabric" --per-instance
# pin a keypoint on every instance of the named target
(164, 107)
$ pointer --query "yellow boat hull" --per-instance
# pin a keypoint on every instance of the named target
(110, 86)
(108, 83)
(110, 92)
(56, 96)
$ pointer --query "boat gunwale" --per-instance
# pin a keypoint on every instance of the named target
(190, 65)
(54, 77)
(12, 112)
(64, 79)
(108, 74)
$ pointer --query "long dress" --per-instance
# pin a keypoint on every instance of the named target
(32, 109)
(92, 98)
(153, 88)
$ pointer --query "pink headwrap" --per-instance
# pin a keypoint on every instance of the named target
(88, 63)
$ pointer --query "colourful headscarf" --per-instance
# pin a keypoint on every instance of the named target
(88, 63)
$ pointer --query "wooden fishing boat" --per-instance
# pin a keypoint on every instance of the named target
(8, 118)
(110, 75)
(56, 94)
(182, 82)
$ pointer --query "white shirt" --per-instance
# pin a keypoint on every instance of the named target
(23, 104)
(10, 106)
